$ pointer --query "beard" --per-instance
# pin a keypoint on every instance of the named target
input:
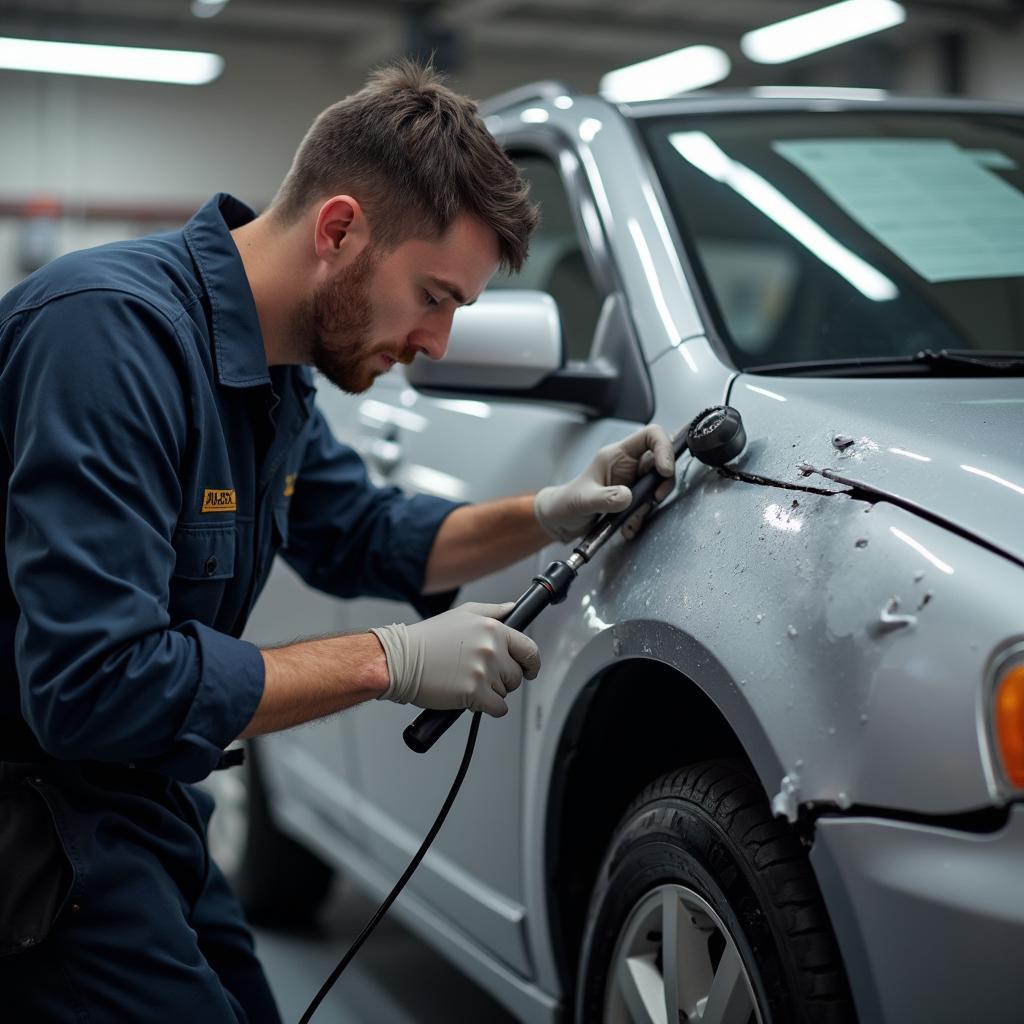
(336, 323)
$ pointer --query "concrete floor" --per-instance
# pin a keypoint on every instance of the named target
(395, 979)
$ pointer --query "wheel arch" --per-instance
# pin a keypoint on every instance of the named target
(609, 748)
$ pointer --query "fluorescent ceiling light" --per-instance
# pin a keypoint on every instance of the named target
(830, 26)
(680, 71)
(180, 67)
(706, 155)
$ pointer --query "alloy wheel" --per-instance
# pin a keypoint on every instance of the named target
(675, 961)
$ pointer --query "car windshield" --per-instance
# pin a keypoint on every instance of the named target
(847, 235)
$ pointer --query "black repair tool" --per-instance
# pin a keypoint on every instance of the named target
(714, 437)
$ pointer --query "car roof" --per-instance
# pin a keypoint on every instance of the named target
(760, 99)
(768, 98)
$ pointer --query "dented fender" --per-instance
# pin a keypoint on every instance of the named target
(846, 642)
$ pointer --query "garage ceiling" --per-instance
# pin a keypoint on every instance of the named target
(468, 31)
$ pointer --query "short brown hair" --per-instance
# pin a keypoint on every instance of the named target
(416, 155)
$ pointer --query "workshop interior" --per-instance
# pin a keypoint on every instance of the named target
(744, 389)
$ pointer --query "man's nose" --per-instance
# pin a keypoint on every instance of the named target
(432, 341)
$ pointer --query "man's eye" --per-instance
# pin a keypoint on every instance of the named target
(429, 299)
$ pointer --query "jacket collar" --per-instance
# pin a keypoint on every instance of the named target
(240, 357)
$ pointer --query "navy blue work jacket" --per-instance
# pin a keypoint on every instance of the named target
(151, 467)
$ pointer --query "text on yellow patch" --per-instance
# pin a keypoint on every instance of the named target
(219, 500)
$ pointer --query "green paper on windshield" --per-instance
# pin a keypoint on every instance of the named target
(930, 202)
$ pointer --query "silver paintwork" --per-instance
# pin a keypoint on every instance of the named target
(929, 919)
(841, 604)
(953, 447)
(508, 339)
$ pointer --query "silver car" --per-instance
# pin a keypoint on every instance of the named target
(773, 767)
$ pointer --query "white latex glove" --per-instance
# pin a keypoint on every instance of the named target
(463, 658)
(568, 510)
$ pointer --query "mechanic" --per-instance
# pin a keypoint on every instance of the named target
(160, 444)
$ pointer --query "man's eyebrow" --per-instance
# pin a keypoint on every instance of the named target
(453, 290)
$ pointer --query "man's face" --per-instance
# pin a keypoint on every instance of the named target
(384, 309)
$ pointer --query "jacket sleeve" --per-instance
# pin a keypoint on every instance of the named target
(350, 538)
(94, 413)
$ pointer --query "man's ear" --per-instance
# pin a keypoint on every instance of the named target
(341, 231)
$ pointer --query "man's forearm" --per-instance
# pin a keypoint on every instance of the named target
(479, 539)
(305, 681)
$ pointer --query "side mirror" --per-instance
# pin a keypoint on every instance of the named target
(509, 345)
(507, 341)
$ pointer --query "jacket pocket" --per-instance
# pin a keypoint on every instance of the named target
(203, 570)
(204, 552)
(38, 875)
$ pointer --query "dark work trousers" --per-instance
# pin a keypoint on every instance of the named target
(144, 927)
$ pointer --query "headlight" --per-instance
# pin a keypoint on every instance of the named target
(1007, 715)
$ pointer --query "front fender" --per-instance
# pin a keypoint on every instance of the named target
(784, 608)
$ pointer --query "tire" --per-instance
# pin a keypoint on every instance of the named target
(277, 881)
(700, 875)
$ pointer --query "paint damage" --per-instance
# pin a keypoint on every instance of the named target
(786, 803)
(890, 618)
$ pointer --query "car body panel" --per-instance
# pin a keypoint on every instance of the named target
(953, 448)
(929, 918)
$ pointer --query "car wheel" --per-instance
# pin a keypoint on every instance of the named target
(706, 909)
(277, 881)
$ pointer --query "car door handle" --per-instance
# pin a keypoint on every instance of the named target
(384, 454)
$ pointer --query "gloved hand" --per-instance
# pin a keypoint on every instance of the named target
(568, 510)
(463, 658)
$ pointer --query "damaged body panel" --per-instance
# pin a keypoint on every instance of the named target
(952, 450)
(783, 609)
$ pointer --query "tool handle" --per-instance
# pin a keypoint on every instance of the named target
(642, 491)
(429, 726)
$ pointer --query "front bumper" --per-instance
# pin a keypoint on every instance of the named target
(930, 920)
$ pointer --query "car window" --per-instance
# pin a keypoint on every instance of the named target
(556, 264)
(755, 283)
(850, 234)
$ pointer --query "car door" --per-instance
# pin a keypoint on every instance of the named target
(470, 449)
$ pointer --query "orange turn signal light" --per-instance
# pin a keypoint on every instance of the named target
(1009, 722)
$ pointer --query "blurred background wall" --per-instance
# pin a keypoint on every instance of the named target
(83, 160)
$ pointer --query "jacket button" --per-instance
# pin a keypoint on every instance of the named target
(211, 565)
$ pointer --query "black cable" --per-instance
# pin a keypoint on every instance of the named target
(407, 874)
